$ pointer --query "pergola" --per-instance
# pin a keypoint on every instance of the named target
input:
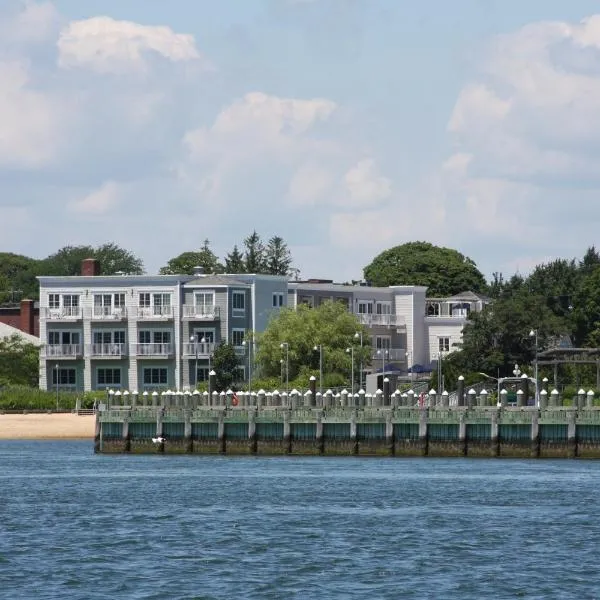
(570, 356)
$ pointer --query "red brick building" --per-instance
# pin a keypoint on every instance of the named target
(24, 316)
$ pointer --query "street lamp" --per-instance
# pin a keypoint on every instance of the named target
(383, 352)
(319, 347)
(351, 352)
(359, 336)
(249, 346)
(285, 346)
(194, 340)
(56, 370)
(534, 334)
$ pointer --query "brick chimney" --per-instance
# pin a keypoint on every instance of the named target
(27, 317)
(90, 267)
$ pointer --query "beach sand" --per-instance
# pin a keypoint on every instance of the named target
(46, 427)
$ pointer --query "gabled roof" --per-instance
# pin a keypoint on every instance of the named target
(9, 330)
(469, 296)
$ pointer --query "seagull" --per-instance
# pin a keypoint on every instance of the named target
(158, 440)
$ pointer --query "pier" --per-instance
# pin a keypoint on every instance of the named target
(389, 425)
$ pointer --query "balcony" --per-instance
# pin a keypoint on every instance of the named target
(108, 313)
(371, 320)
(391, 354)
(201, 312)
(65, 313)
(205, 349)
(154, 350)
(107, 350)
(62, 351)
(154, 313)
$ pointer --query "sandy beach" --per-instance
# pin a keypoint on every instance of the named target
(46, 427)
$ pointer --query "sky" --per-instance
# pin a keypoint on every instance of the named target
(344, 126)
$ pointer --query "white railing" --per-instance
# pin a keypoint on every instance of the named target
(204, 349)
(107, 349)
(448, 316)
(154, 312)
(200, 311)
(381, 320)
(108, 312)
(388, 354)
(154, 349)
(61, 350)
(64, 312)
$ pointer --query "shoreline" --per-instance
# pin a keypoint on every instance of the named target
(44, 426)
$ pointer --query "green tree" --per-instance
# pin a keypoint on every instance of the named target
(18, 277)
(254, 254)
(498, 337)
(19, 362)
(278, 257)
(329, 325)
(444, 271)
(234, 261)
(185, 263)
(225, 364)
(112, 259)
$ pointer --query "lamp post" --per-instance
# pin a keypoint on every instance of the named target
(319, 347)
(351, 352)
(194, 339)
(248, 344)
(534, 334)
(205, 341)
(285, 346)
(56, 370)
(383, 352)
(359, 336)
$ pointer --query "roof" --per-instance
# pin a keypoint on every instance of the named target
(9, 330)
(216, 280)
(467, 296)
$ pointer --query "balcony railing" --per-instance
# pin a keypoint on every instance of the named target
(154, 312)
(62, 351)
(371, 320)
(108, 313)
(154, 349)
(457, 316)
(108, 350)
(62, 313)
(204, 312)
(388, 354)
(204, 349)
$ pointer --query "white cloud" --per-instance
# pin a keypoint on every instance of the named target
(106, 45)
(365, 186)
(98, 202)
(32, 22)
(309, 184)
(30, 120)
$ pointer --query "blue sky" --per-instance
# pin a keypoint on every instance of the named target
(345, 126)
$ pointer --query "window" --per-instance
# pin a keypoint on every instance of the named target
(63, 338)
(444, 344)
(238, 300)
(365, 308)
(384, 308)
(70, 301)
(63, 377)
(144, 300)
(154, 337)
(239, 374)
(383, 342)
(144, 337)
(277, 299)
(108, 337)
(201, 374)
(53, 301)
(119, 300)
(155, 376)
(204, 299)
(237, 337)
(108, 377)
(208, 335)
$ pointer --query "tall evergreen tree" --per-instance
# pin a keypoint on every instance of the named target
(254, 254)
(234, 261)
(278, 257)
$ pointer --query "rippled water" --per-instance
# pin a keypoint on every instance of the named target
(76, 525)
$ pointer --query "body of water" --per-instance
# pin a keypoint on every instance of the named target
(77, 525)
